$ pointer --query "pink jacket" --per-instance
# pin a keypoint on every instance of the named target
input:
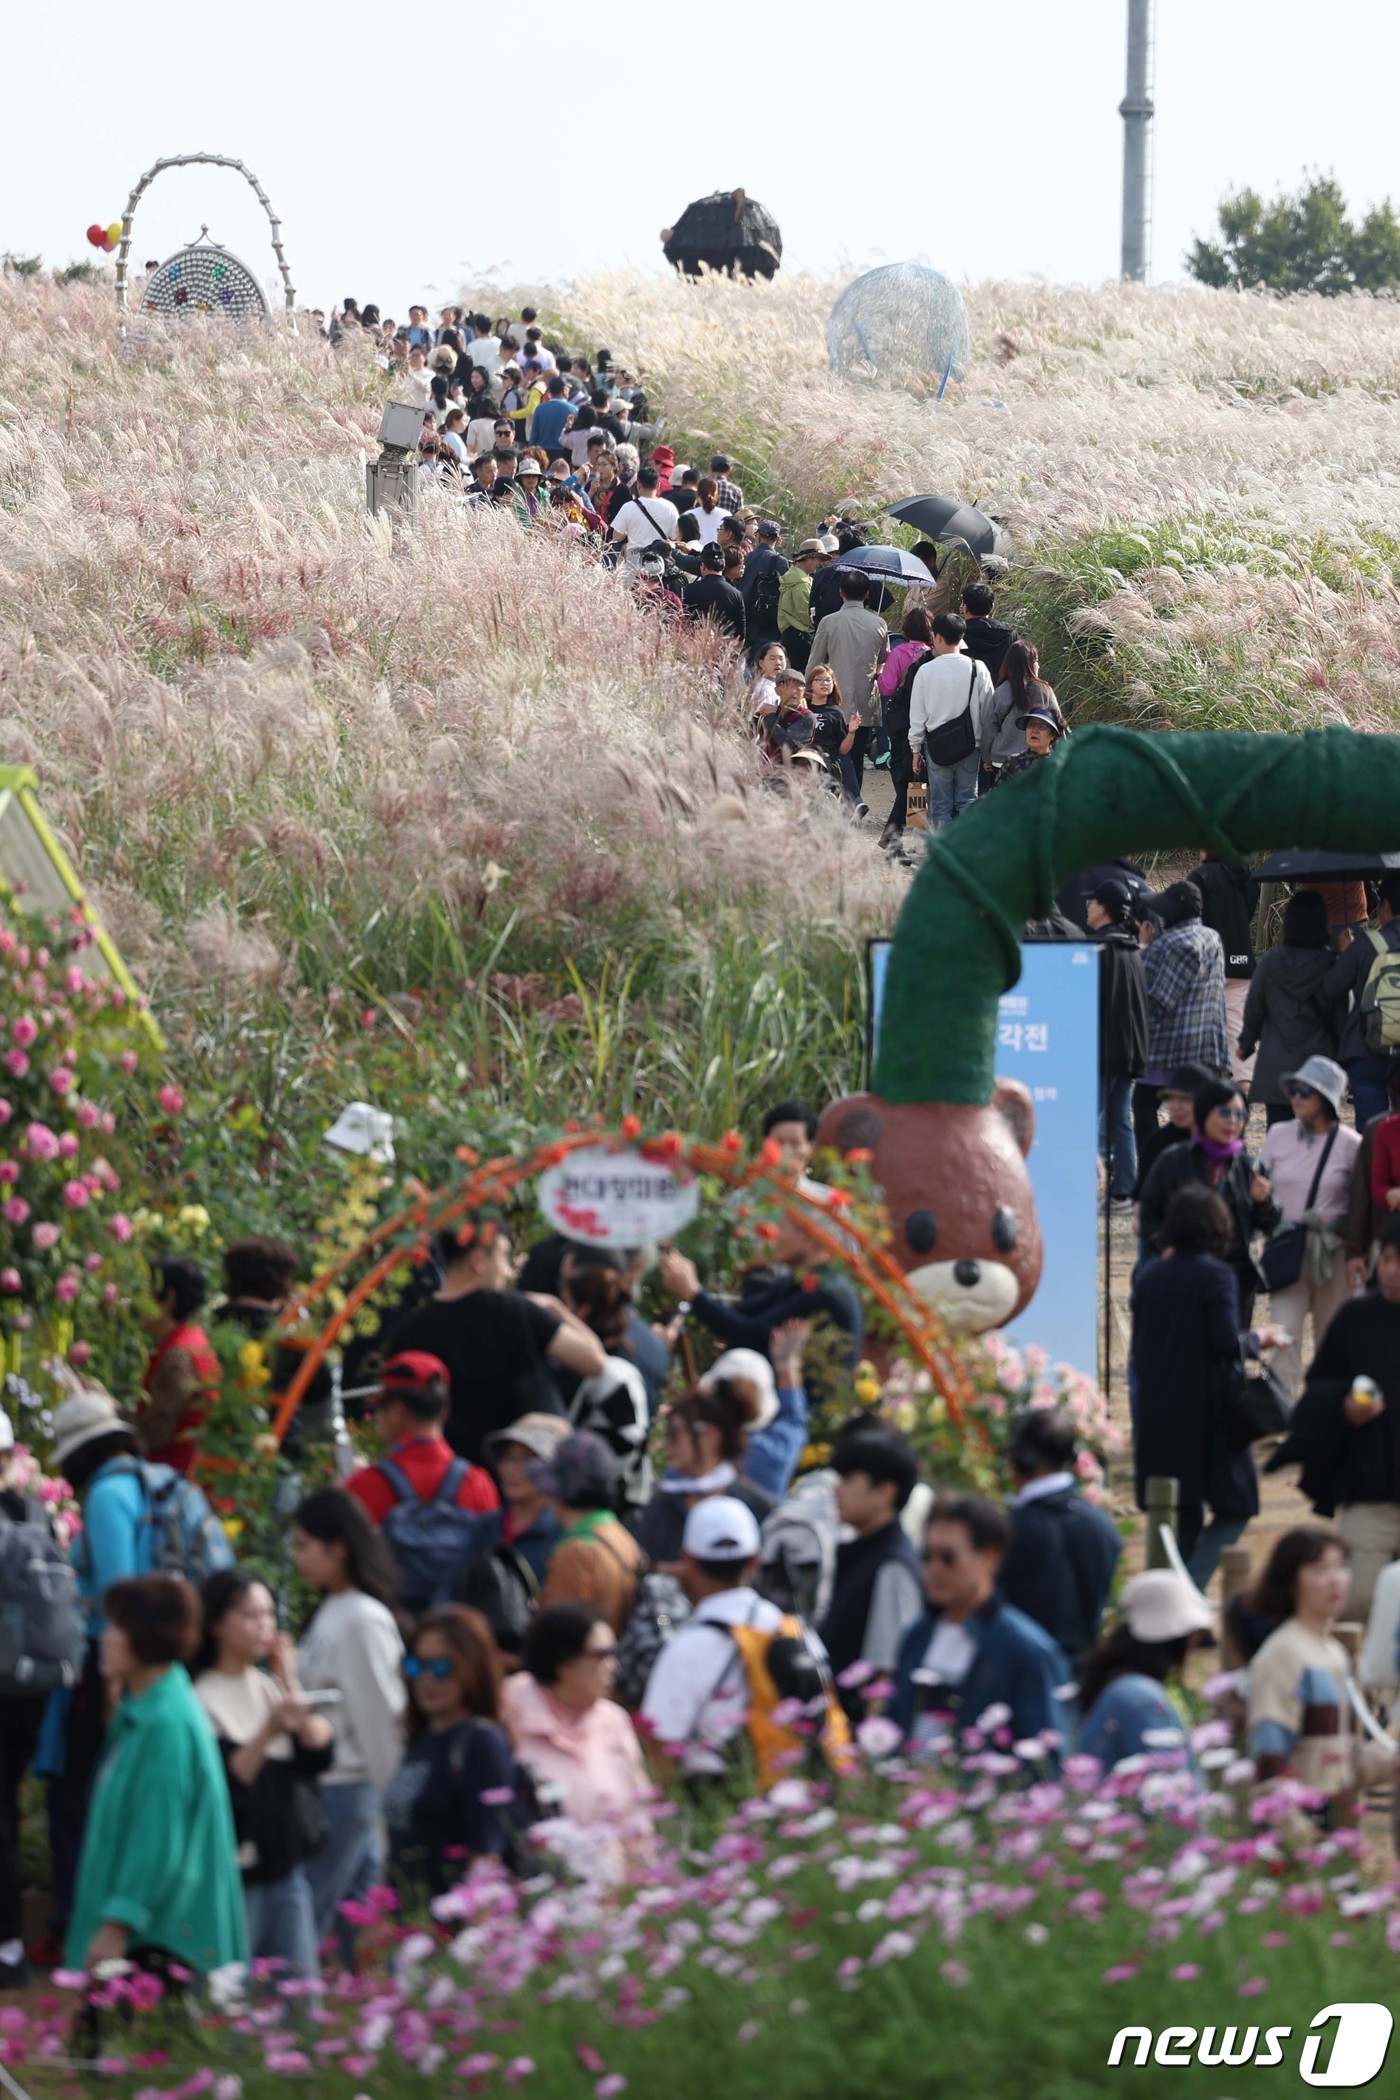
(896, 664)
(593, 1758)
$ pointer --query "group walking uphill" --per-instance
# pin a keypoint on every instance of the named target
(923, 679)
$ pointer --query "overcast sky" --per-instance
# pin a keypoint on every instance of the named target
(402, 157)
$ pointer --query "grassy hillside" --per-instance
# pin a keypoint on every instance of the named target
(461, 780)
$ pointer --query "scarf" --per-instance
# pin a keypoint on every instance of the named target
(716, 1482)
(1218, 1157)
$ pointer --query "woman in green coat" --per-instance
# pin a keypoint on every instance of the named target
(158, 1879)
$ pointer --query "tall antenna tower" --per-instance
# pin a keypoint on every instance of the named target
(1136, 110)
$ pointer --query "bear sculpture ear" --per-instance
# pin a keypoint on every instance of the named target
(1013, 1101)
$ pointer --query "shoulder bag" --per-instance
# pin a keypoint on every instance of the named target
(1257, 1403)
(1281, 1258)
(952, 742)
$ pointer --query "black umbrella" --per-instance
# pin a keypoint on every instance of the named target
(944, 519)
(1306, 864)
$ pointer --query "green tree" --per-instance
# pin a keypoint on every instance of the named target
(1300, 242)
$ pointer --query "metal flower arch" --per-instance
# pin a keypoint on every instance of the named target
(208, 160)
(398, 1240)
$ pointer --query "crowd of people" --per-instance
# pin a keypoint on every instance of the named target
(844, 671)
(575, 1577)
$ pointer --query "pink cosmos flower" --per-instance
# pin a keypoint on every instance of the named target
(14, 1210)
(5, 1112)
(608, 2088)
(79, 1354)
(92, 1263)
(88, 1116)
(24, 1029)
(75, 1195)
(47, 1235)
(9, 1172)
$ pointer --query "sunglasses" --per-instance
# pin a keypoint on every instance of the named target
(1232, 1115)
(440, 1667)
(1301, 1093)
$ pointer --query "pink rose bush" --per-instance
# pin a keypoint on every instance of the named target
(63, 1239)
(1007, 1381)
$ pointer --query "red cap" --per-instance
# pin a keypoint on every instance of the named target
(411, 1370)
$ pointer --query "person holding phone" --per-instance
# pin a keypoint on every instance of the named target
(275, 1747)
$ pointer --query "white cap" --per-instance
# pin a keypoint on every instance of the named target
(365, 1131)
(749, 1364)
(81, 1420)
(721, 1528)
(1161, 1606)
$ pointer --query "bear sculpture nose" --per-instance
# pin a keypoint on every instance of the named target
(968, 1274)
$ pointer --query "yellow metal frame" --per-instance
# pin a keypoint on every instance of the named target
(19, 783)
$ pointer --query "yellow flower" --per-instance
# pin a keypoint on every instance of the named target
(253, 1364)
(196, 1217)
(867, 1383)
(232, 1526)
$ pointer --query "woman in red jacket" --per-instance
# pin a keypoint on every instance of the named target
(183, 1376)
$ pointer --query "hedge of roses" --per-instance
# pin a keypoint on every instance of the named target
(68, 1268)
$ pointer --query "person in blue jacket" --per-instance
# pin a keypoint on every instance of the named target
(971, 1651)
(1127, 1709)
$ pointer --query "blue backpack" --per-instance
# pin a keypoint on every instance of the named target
(431, 1539)
(182, 1534)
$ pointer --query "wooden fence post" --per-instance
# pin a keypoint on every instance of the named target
(1163, 1497)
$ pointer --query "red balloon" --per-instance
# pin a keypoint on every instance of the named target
(97, 235)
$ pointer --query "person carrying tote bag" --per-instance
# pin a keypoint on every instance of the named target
(1309, 1264)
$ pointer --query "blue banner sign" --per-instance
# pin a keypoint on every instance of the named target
(1048, 1038)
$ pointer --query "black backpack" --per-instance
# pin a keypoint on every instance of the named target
(898, 705)
(505, 1589)
(763, 601)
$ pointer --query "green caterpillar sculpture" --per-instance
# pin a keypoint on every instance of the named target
(948, 1139)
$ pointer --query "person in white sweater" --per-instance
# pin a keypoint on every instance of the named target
(946, 700)
(350, 1647)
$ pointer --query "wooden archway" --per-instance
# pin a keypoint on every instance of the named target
(398, 1240)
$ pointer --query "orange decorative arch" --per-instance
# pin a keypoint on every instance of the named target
(396, 1241)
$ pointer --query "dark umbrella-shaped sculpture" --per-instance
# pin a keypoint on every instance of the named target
(890, 564)
(726, 231)
(1305, 864)
(953, 524)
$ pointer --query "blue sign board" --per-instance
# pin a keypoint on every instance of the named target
(1048, 1038)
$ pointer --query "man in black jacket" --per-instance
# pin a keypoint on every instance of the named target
(986, 639)
(710, 594)
(1122, 1034)
(1349, 1443)
(1059, 1569)
(878, 1592)
(761, 606)
(1229, 900)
